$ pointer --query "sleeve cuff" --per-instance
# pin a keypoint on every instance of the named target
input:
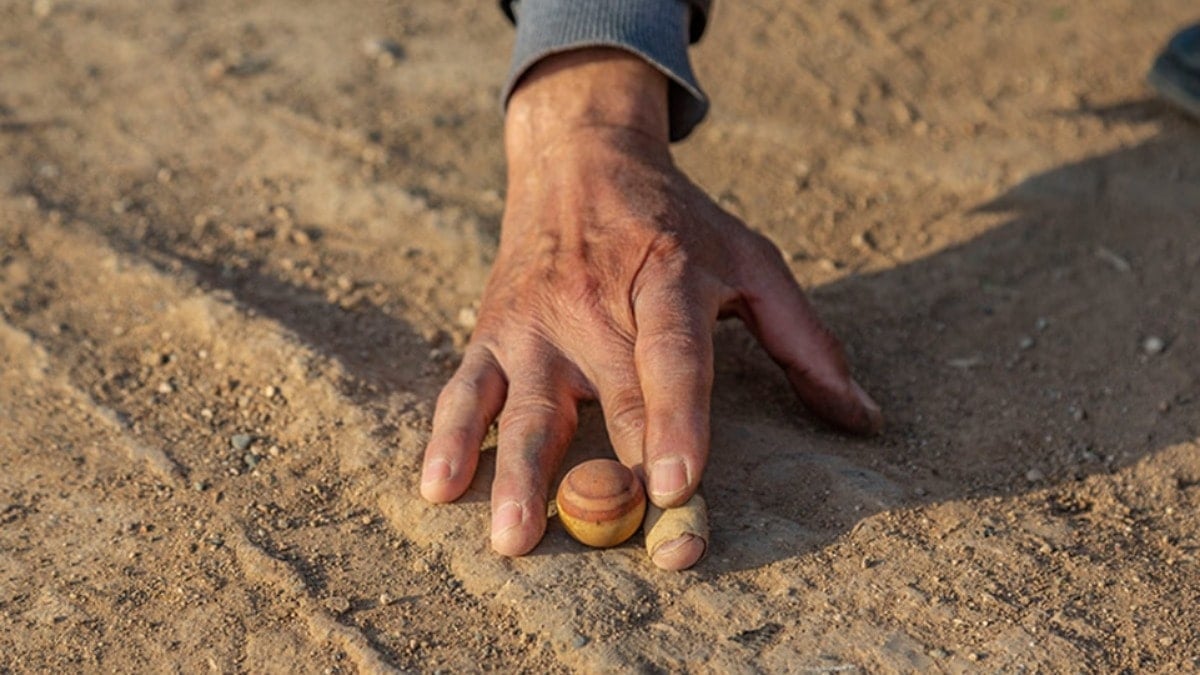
(658, 31)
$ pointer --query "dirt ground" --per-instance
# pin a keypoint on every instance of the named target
(240, 247)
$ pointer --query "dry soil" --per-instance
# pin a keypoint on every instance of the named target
(240, 247)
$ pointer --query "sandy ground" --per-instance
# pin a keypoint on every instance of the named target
(239, 254)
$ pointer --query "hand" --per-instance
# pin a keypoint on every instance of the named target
(612, 271)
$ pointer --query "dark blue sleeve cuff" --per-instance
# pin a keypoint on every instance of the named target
(658, 31)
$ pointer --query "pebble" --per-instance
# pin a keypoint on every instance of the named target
(241, 441)
(578, 641)
(251, 460)
(385, 599)
(166, 388)
(1026, 342)
(269, 391)
(337, 604)
(1035, 475)
(1153, 345)
(938, 653)
(467, 317)
(972, 656)
(385, 50)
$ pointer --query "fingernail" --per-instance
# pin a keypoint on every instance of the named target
(437, 471)
(508, 516)
(668, 477)
(873, 410)
(680, 553)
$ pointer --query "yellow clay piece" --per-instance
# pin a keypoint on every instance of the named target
(601, 503)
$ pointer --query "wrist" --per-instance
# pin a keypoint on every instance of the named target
(590, 92)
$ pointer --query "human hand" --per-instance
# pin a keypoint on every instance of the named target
(612, 271)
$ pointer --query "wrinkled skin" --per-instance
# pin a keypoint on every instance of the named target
(612, 271)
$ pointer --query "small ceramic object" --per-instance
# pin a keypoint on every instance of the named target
(601, 503)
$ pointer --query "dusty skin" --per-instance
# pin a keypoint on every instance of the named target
(239, 251)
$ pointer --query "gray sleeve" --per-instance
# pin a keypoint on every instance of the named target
(659, 31)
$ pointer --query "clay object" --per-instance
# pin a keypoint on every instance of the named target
(686, 526)
(601, 503)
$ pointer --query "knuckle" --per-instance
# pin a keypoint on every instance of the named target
(626, 415)
(668, 250)
(762, 251)
(531, 412)
(459, 388)
(672, 343)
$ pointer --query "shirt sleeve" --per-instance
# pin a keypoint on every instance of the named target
(658, 31)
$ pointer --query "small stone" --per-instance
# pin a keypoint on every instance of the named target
(274, 451)
(1041, 324)
(1026, 342)
(337, 604)
(206, 414)
(578, 641)
(241, 441)
(1035, 475)
(385, 599)
(867, 563)
(365, 520)
(384, 50)
(1153, 345)
(467, 317)
(863, 241)
(199, 486)
(166, 388)
(251, 460)
(269, 391)
(1166, 641)
(972, 656)
(938, 653)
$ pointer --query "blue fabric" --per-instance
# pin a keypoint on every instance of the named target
(1176, 72)
(658, 31)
